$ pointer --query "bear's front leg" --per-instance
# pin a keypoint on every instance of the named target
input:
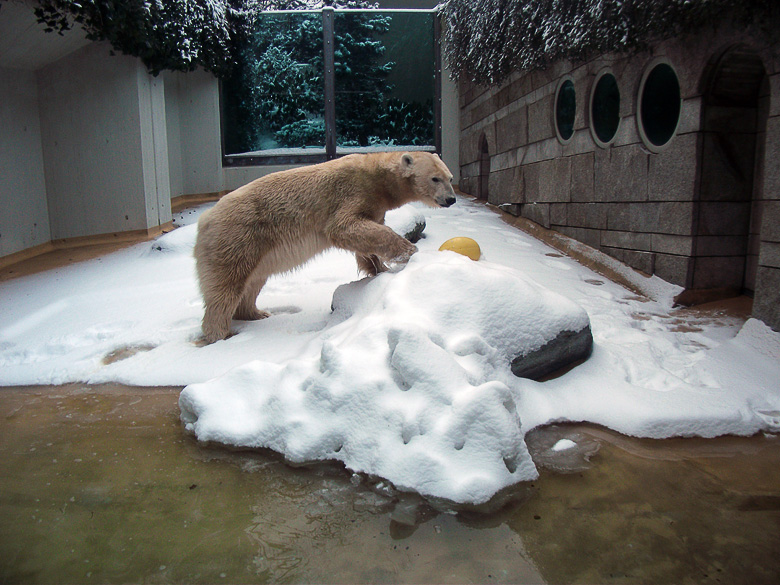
(368, 238)
(370, 265)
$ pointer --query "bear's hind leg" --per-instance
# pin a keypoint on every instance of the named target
(216, 320)
(221, 295)
(247, 309)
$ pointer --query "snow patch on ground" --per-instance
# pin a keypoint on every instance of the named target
(133, 317)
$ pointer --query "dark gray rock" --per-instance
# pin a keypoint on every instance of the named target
(415, 232)
(564, 350)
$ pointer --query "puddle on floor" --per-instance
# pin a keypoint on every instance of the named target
(101, 484)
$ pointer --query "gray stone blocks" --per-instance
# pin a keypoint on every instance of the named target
(684, 211)
(670, 175)
(769, 255)
(537, 212)
(621, 174)
(766, 307)
(673, 269)
(512, 131)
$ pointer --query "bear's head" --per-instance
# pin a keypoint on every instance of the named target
(430, 178)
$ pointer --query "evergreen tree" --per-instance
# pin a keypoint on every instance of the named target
(275, 98)
(277, 85)
(360, 78)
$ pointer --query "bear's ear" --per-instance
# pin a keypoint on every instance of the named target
(407, 161)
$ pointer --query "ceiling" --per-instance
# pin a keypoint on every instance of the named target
(23, 42)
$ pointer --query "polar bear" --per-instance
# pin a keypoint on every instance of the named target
(281, 220)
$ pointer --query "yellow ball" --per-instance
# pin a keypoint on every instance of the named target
(461, 245)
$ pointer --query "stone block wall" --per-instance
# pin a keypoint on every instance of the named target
(669, 211)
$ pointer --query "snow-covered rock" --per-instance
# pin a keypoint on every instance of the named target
(412, 383)
(407, 221)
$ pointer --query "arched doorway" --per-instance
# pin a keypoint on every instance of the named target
(728, 211)
(484, 169)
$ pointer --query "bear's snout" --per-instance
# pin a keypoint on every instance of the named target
(448, 200)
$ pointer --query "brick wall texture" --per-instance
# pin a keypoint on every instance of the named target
(702, 211)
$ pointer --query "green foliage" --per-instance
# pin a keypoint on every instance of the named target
(408, 123)
(361, 83)
(176, 35)
(486, 40)
(277, 81)
(310, 132)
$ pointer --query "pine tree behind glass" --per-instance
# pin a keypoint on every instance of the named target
(277, 86)
(275, 98)
(384, 79)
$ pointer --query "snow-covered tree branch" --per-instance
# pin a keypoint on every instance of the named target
(487, 39)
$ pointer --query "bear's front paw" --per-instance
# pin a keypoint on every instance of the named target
(403, 256)
(399, 261)
(211, 336)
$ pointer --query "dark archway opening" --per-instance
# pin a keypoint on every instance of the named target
(484, 169)
(728, 211)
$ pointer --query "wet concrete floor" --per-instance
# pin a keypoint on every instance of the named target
(102, 485)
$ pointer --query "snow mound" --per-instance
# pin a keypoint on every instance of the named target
(179, 241)
(412, 382)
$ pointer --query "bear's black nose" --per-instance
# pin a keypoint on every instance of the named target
(449, 201)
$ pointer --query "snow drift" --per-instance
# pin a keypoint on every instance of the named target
(132, 317)
(411, 383)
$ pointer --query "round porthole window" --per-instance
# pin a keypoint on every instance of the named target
(565, 109)
(604, 108)
(659, 105)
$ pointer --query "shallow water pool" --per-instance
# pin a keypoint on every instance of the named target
(102, 485)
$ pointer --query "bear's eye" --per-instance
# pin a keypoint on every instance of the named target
(435, 179)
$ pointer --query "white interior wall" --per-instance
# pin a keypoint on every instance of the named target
(91, 135)
(154, 149)
(24, 214)
(199, 127)
(173, 132)
(450, 125)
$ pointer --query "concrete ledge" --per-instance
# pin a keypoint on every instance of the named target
(26, 254)
(128, 237)
(692, 297)
(582, 253)
(634, 280)
(608, 266)
(185, 201)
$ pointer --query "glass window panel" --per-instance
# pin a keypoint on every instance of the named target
(660, 107)
(605, 108)
(385, 78)
(565, 110)
(274, 98)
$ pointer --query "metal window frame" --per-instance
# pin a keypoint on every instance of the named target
(331, 149)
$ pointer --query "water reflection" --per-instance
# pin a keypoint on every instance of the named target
(101, 484)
